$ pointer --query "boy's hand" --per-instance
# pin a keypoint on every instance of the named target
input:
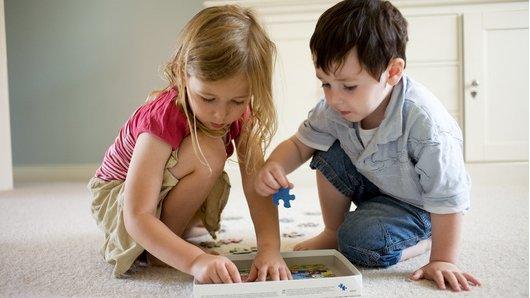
(269, 263)
(208, 268)
(442, 272)
(271, 178)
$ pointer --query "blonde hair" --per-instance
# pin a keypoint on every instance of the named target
(219, 42)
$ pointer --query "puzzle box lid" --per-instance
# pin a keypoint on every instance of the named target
(346, 283)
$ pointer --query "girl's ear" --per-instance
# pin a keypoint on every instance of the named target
(395, 71)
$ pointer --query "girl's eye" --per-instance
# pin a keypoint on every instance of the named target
(238, 102)
(208, 99)
(350, 88)
(325, 85)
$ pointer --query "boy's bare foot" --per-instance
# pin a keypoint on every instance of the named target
(416, 250)
(326, 239)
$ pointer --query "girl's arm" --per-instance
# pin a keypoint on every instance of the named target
(264, 215)
(142, 188)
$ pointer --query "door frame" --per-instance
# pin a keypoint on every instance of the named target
(6, 162)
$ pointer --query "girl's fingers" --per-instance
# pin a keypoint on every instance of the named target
(472, 279)
(283, 274)
(262, 274)
(223, 273)
(215, 278)
(462, 280)
(274, 274)
(234, 273)
(453, 282)
(253, 274)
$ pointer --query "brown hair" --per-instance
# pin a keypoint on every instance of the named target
(219, 42)
(375, 28)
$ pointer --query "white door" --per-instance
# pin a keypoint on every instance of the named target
(6, 166)
(496, 86)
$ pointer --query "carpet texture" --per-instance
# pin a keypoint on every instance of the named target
(49, 243)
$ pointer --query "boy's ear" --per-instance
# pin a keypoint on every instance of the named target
(395, 71)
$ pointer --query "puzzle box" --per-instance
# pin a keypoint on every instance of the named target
(347, 281)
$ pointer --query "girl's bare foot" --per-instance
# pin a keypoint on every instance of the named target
(195, 231)
(326, 239)
(416, 250)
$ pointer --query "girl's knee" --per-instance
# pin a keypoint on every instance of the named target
(207, 158)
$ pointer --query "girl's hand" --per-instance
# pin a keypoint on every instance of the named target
(269, 263)
(271, 178)
(442, 272)
(208, 268)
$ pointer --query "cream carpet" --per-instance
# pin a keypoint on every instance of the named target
(49, 242)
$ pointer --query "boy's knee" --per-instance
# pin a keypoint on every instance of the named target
(363, 241)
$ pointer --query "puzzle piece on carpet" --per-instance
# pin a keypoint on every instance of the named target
(313, 213)
(292, 235)
(231, 217)
(240, 251)
(286, 220)
(308, 225)
(283, 194)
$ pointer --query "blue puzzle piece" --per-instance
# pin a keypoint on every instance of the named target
(283, 194)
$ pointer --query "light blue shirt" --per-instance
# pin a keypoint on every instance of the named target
(415, 156)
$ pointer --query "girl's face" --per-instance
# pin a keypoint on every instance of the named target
(217, 104)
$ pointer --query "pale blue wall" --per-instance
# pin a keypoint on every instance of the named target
(78, 69)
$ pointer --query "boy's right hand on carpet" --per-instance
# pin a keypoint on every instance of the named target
(208, 268)
(270, 179)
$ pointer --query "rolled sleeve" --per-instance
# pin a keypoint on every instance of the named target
(443, 177)
(316, 131)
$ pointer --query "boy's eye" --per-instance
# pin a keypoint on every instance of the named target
(350, 88)
(325, 85)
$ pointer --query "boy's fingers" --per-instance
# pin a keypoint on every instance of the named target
(462, 280)
(270, 181)
(453, 282)
(234, 273)
(472, 279)
(439, 279)
(417, 275)
(280, 177)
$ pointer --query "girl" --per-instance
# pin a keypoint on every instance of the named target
(165, 169)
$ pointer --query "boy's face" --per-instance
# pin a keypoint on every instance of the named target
(353, 92)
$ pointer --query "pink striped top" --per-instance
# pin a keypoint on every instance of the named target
(160, 117)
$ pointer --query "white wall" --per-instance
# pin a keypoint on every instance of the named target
(78, 69)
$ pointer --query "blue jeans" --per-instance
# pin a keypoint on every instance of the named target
(381, 227)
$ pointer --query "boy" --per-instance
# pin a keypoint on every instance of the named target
(382, 141)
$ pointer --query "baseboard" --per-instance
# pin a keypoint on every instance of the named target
(51, 173)
(481, 173)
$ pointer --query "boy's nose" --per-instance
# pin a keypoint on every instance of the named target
(332, 97)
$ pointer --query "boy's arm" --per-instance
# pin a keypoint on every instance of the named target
(287, 157)
(446, 230)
